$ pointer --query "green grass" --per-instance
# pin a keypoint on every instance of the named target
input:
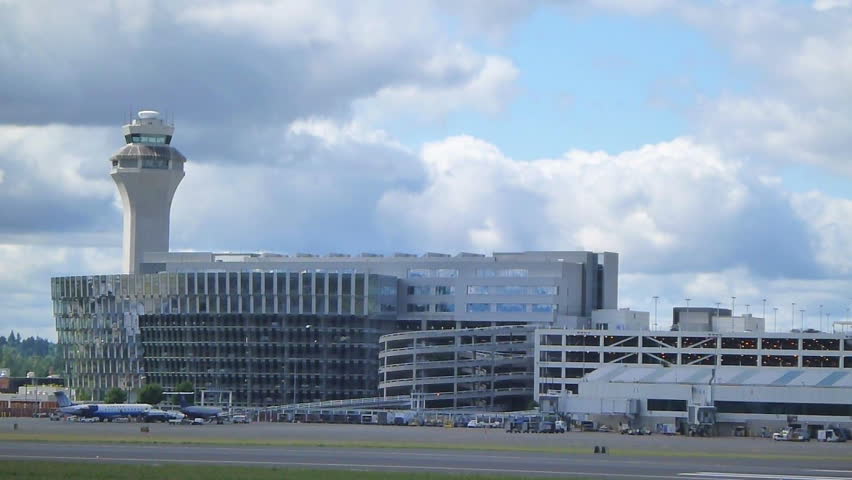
(102, 471)
(155, 440)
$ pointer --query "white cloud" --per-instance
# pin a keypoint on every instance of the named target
(25, 273)
(705, 289)
(489, 85)
(830, 4)
(477, 198)
(830, 229)
(779, 130)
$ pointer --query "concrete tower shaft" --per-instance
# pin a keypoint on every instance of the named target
(147, 171)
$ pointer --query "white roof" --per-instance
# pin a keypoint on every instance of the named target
(757, 376)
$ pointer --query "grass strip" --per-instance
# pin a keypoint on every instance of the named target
(154, 440)
(23, 470)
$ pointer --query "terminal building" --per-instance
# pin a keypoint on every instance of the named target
(275, 329)
(452, 332)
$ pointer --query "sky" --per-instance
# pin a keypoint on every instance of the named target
(709, 143)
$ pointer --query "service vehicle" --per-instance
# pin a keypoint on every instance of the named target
(791, 435)
(830, 435)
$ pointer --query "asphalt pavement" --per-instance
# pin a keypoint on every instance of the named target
(479, 462)
(769, 461)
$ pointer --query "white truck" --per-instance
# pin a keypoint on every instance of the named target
(830, 435)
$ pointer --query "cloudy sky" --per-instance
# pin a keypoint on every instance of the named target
(709, 143)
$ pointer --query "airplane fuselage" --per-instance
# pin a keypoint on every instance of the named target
(107, 410)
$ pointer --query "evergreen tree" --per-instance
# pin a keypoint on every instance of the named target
(185, 386)
(151, 393)
(115, 395)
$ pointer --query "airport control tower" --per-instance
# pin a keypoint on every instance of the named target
(147, 171)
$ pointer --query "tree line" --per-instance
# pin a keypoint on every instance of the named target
(151, 393)
(32, 354)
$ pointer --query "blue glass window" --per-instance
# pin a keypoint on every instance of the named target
(445, 307)
(511, 307)
(478, 307)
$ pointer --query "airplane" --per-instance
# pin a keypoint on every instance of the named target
(101, 411)
(157, 415)
(204, 413)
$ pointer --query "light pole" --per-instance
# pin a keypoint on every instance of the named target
(775, 320)
(827, 321)
(655, 311)
(793, 316)
(764, 309)
(747, 305)
(307, 328)
(820, 317)
(802, 311)
(733, 304)
(717, 310)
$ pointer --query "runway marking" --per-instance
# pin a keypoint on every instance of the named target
(350, 466)
(763, 476)
(832, 471)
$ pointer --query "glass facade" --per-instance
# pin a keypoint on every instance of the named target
(512, 290)
(265, 359)
(97, 317)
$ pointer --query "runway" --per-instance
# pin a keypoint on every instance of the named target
(471, 462)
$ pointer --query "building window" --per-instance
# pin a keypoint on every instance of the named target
(160, 163)
(385, 290)
(446, 273)
(445, 290)
(419, 273)
(511, 307)
(478, 307)
(543, 308)
(485, 272)
(419, 290)
(418, 307)
(513, 272)
(516, 290)
(477, 290)
(666, 405)
(544, 290)
(780, 408)
(445, 307)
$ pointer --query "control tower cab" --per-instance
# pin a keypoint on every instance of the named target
(147, 171)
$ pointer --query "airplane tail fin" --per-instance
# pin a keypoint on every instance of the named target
(62, 399)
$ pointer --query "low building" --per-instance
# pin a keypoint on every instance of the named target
(746, 399)
(750, 379)
(29, 400)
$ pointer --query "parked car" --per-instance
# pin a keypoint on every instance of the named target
(604, 428)
(239, 419)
